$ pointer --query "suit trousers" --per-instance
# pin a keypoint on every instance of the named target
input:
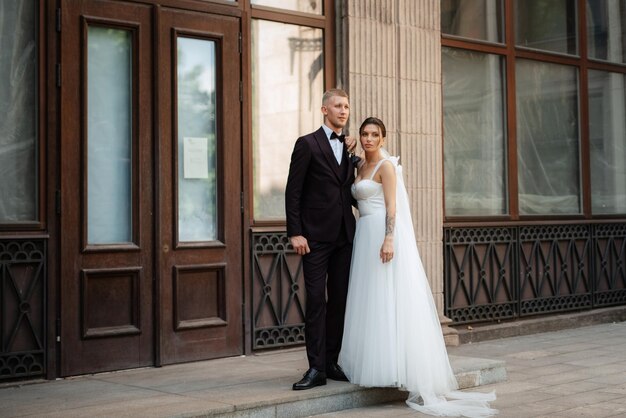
(326, 272)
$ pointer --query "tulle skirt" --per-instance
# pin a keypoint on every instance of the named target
(392, 334)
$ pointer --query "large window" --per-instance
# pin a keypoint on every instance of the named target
(547, 138)
(607, 124)
(475, 133)
(289, 75)
(534, 108)
(606, 30)
(19, 168)
(476, 19)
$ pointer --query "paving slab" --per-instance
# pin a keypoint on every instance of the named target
(552, 375)
(247, 386)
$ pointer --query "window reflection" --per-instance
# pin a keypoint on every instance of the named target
(607, 137)
(474, 143)
(109, 136)
(474, 19)
(18, 111)
(197, 140)
(548, 25)
(287, 88)
(606, 30)
(547, 138)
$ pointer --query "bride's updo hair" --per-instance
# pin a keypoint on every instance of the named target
(374, 121)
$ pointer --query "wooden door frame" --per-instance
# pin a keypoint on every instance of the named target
(241, 9)
(166, 116)
(132, 267)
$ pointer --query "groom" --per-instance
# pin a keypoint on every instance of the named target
(320, 226)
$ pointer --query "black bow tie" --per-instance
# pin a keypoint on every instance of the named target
(341, 138)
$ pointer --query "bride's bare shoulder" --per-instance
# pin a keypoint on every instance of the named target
(388, 168)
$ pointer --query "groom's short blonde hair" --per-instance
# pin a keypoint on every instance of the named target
(333, 92)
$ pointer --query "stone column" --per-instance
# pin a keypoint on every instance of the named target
(390, 63)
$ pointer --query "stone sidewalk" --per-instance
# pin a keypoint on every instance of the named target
(571, 373)
(252, 386)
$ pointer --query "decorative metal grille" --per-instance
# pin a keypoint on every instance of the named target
(491, 273)
(609, 249)
(479, 274)
(277, 292)
(495, 272)
(22, 308)
(554, 268)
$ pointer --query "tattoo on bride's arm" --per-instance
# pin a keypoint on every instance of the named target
(390, 224)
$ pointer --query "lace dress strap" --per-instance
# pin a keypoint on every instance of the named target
(377, 167)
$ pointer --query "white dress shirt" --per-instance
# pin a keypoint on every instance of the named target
(335, 144)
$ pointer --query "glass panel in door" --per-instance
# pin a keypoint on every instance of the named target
(109, 136)
(197, 142)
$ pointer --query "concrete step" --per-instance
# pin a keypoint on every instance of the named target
(257, 385)
(339, 396)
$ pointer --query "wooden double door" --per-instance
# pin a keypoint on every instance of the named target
(150, 260)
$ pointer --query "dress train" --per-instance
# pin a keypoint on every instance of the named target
(392, 331)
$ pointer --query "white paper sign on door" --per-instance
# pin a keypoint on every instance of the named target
(196, 158)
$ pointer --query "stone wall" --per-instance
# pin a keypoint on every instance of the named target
(389, 60)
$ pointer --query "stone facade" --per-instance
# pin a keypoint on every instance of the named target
(389, 60)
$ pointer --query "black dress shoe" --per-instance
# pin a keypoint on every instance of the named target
(311, 379)
(334, 371)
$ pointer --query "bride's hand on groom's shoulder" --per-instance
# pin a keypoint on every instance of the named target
(350, 142)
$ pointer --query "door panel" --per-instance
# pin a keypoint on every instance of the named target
(200, 181)
(134, 199)
(106, 187)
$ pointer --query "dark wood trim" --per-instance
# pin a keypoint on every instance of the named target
(157, 169)
(136, 129)
(463, 219)
(442, 157)
(528, 222)
(27, 235)
(329, 45)
(606, 66)
(288, 16)
(174, 134)
(268, 223)
(107, 248)
(583, 113)
(25, 226)
(474, 45)
(246, 174)
(511, 113)
(221, 320)
(220, 7)
(548, 217)
(281, 228)
(51, 39)
(131, 329)
(546, 56)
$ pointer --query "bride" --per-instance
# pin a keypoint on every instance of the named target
(392, 332)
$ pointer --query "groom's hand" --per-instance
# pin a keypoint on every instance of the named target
(300, 244)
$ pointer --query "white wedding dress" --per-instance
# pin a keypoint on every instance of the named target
(392, 335)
